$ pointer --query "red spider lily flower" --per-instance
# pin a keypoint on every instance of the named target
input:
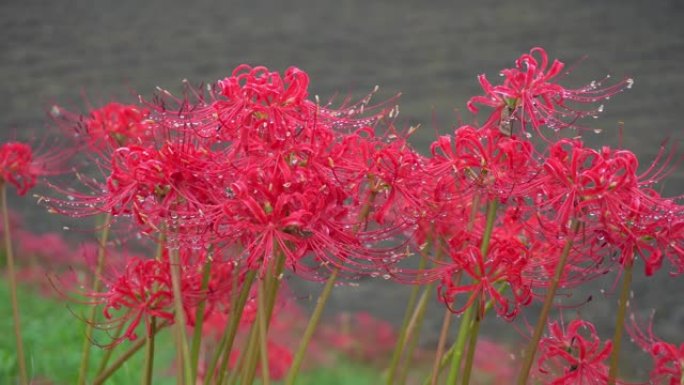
(144, 289)
(258, 105)
(484, 160)
(574, 356)
(485, 277)
(530, 96)
(21, 167)
(603, 190)
(112, 125)
(668, 358)
(386, 175)
(163, 188)
(579, 181)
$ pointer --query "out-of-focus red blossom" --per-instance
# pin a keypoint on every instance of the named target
(668, 358)
(575, 355)
(48, 247)
(104, 128)
(493, 362)
(21, 168)
(360, 336)
(529, 96)
(118, 124)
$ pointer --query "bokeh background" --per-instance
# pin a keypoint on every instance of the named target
(67, 52)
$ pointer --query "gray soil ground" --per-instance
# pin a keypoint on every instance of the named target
(57, 51)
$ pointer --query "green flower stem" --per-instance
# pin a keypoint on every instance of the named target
(108, 352)
(272, 285)
(620, 321)
(467, 318)
(184, 353)
(413, 332)
(97, 286)
(444, 360)
(310, 328)
(546, 308)
(104, 376)
(149, 353)
(11, 276)
(440, 346)
(199, 320)
(459, 346)
(261, 319)
(473, 334)
(226, 344)
(401, 340)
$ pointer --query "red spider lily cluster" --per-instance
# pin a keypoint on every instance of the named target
(251, 177)
(575, 355)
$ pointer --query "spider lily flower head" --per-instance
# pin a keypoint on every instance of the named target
(21, 166)
(108, 127)
(480, 278)
(257, 104)
(603, 190)
(530, 96)
(144, 289)
(668, 358)
(484, 160)
(574, 355)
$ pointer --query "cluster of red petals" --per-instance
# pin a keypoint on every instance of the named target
(118, 124)
(483, 278)
(484, 160)
(255, 164)
(530, 98)
(144, 290)
(574, 355)
(17, 167)
(668, 358)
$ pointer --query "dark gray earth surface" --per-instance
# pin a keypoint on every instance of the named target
(57, 51)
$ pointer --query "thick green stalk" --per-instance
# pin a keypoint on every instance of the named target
(459, 345)
(413, 336)
(401, 339)
(467, 318)
(444, 359)
(473, 334)
(108, 352)
(105, 374)
(199, 320)
(226, 344)
(620, 322)
(185, 365)
(149, 353)
(11, 276)
(440, 346)
(273, 283)
(263, 343)
(97, 286)
(310, 328)
(546, 308)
